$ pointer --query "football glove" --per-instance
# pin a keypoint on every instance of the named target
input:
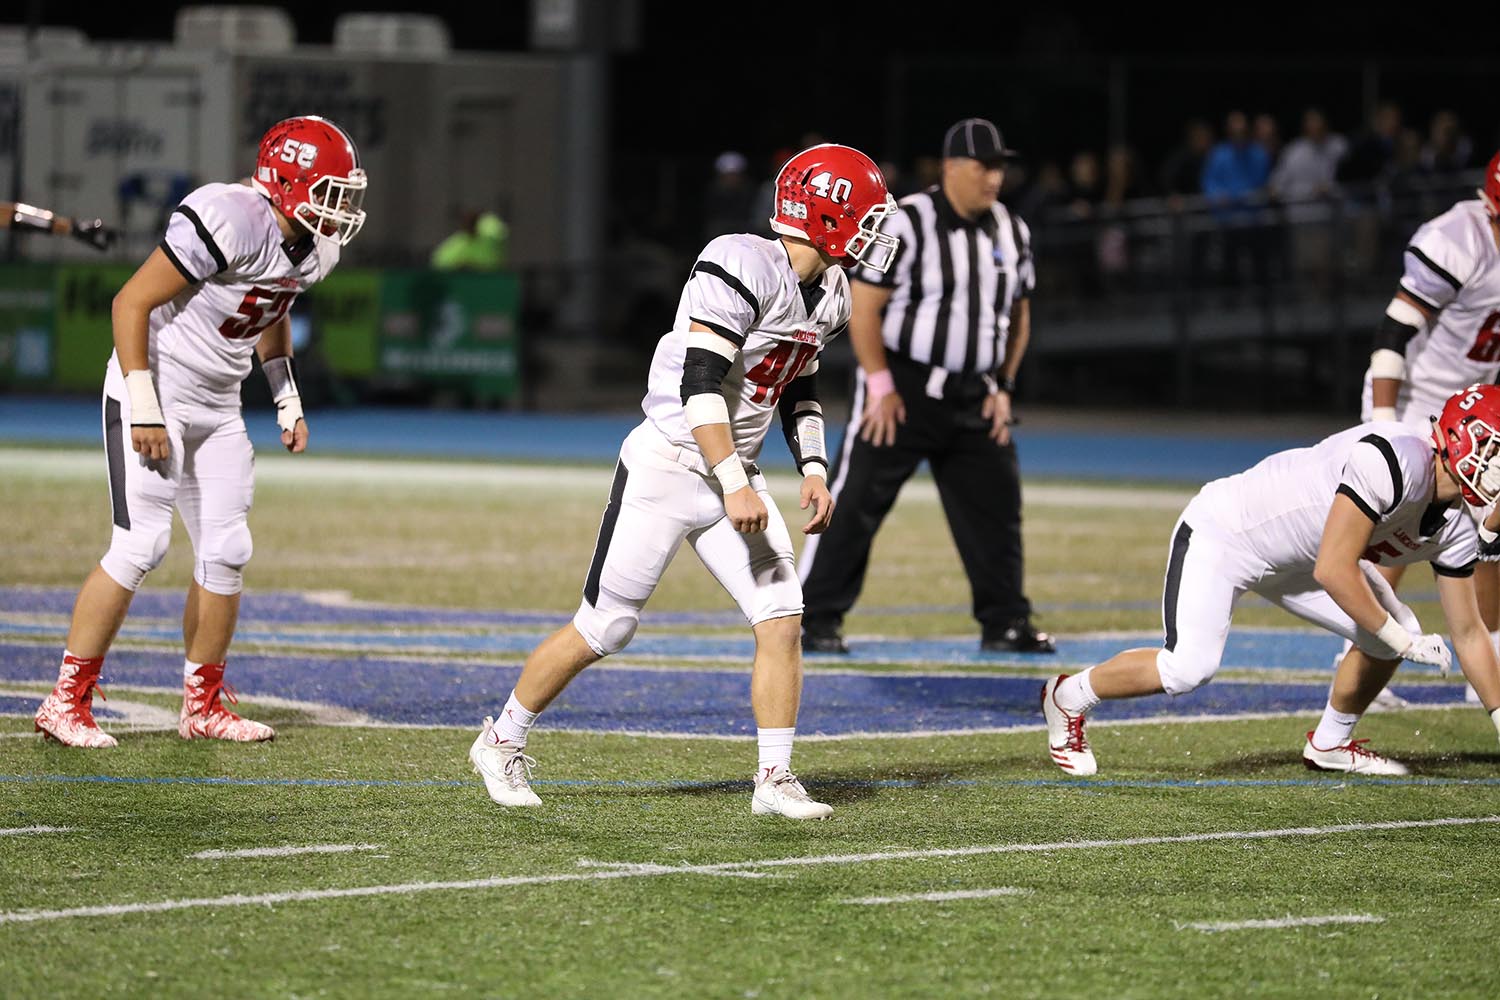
(95, 233)
(1431, 650)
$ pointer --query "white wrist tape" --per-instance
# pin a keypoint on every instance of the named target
(1383, 413)
(1394, 635)
(815, 468)
(288, 412)
(880, 384)
(731, 474)
(1386, 363)
(705, 408)
(281, 376)
(1405, 313)
(145, 409)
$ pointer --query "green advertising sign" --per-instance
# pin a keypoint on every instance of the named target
(26, 300)
(457, 329)
(84, 331)
(345, 311)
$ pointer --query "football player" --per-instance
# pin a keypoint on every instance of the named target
(1440, 333)
(1308, 529)
(215, 290)
(753, 317)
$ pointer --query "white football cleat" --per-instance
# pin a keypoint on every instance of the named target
(1066, 741)
(779, 793)
(505, 768)
(1388, 701)
(1353, 757)
(204, 717)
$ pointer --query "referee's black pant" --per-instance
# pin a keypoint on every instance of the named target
(978, 481)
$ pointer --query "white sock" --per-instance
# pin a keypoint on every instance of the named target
(1076, 694)
(1495, 640)
(775, 748)
(1334, 729)
(514, 721)
(189, 668)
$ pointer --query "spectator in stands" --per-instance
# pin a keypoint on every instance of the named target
(1304, 181)
(1234, 180)
(727, 203)
(1045, 193)
(1267, 135)
(763, 202)
(1370, 155)
(480, 244)
(1182, 174)
(1448, 148)
(1121, 184)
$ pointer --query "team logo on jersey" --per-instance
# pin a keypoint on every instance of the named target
(805, 336)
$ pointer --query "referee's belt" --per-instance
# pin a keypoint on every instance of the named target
(942, 383)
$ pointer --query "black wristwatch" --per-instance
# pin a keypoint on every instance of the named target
(1007, 383)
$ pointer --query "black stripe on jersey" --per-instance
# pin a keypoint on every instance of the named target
(709, 267)
(1359, 501)
(1460, 572)
(945, 303)
(1390, 461)
(203, 234)
(1433, 519)
(1023, 257)
(737, 339)
(914, 290)
(114, 452)
(971, 346)
(1434, 268)
(172, 256)
(1174, 583)
(843, 329)
(606, 534)
(1431, 306)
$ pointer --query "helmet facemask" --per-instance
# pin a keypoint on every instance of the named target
(1477, 469)
(869, 246)
(335, 202)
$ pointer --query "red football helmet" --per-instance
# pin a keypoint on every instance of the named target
(1467, 436)
(309, 168)
(1491, 190)
(836, 198)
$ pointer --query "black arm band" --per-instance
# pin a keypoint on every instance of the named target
(703, 371)
(800, 399)
(1393, 334)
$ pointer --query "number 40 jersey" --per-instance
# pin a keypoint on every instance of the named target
(225, 241)
(743, 288)
(1452, 267)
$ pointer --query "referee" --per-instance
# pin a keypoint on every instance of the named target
(939, 339)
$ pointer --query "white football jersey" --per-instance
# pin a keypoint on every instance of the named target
(1278, 508)
(1453, 267)
(743, 288)
(224, 239)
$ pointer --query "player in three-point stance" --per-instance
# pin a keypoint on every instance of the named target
(1308, 529)
(1441, 332)
(217, 288)
(753, 317)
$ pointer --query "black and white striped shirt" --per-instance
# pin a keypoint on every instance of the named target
(953, 283)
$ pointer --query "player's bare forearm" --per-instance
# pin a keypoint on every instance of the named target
(714, 441)
(276, 340)
(1346, 534)
(156, 282)
(1383, 391)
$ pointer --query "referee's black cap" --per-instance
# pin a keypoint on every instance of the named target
(977, 139)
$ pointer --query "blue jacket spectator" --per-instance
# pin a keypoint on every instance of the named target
(1235, 171)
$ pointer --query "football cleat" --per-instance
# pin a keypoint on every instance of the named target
(505, 768)
(67, 714)
(1066, 741)
(204, 716)
(1353, 757)
(779, 793)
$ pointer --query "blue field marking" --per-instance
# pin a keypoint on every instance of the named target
(681, 701)
(1335, 782)
(423, 433)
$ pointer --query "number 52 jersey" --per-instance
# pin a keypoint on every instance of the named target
(744, 289)
(225, 241)
(1452, 267)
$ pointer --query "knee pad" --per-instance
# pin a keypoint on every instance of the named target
(778, 597)
(135, 552)
(222, 558)
(606, 630)
(1181, 674)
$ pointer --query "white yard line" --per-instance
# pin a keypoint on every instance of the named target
(283, 852)
(938, 897)
(1257, 925)
(25, 831)
(653, 871)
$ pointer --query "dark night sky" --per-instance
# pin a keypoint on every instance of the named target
(756, 76)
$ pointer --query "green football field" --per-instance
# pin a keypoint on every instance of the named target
(357, 855)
